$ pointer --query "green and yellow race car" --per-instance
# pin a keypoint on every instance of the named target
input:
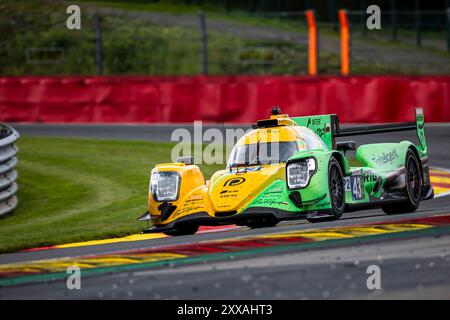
(293, 168)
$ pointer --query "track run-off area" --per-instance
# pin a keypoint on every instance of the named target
(294, 260)
(440, 178)
(18, 273)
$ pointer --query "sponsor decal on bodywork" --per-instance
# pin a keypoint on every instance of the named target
(385, 158)
(234, 182)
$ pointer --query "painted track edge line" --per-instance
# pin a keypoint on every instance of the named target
(440, 169)
(49, 277)
(226, 228)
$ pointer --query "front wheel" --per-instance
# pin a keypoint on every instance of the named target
(336, 190)
(413, 187)
(182, 230)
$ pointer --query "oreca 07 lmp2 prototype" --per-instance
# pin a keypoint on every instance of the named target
(293, 168)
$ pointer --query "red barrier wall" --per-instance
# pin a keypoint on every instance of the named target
(220, 98)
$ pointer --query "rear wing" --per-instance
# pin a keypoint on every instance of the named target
(327, 128)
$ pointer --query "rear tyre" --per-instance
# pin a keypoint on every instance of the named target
(336, 190)
(183, 231)
(413, 188)
(262, 223)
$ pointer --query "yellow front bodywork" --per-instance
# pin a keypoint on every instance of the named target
(233, 191)
(192, 194)
(227, 191)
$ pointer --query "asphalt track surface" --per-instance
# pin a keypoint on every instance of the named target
(413, 265)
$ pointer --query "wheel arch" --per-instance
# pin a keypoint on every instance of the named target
(407, 145)
(343, 163)
(413, 148)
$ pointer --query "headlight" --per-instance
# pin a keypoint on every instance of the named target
(164, 185)
(299, 172)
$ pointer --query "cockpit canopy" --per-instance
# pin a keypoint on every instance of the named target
(273, 145)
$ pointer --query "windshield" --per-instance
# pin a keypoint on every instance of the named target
(262, 153)
(312, 140)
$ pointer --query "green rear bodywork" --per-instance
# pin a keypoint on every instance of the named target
(255, 193)
(374, 166)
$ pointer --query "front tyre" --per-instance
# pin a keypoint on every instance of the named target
(182, 230)
(336, 190)
(413, 188)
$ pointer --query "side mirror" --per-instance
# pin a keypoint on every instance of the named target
(346, 145)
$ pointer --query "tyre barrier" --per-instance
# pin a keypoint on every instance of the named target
(8, 173)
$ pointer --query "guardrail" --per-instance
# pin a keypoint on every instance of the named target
(8, 173)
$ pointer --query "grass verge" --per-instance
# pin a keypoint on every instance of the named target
(80, 189)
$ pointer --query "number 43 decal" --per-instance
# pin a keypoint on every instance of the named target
(354, 184)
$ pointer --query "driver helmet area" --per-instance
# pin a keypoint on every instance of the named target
(273, 145)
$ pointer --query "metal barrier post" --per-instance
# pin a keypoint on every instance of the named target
(98, 44)
(393, 21)
(204, 43)
(345, 43)
(251, 6)
(363, 9)
(332, 8)
(418, 24)
(264, 7)
(313, 52)
(448, 29)
(227, 6)
(280, 6)
(308, 5)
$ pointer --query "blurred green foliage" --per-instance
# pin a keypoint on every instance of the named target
(31, 34)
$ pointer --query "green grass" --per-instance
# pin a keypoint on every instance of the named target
(80, 189)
